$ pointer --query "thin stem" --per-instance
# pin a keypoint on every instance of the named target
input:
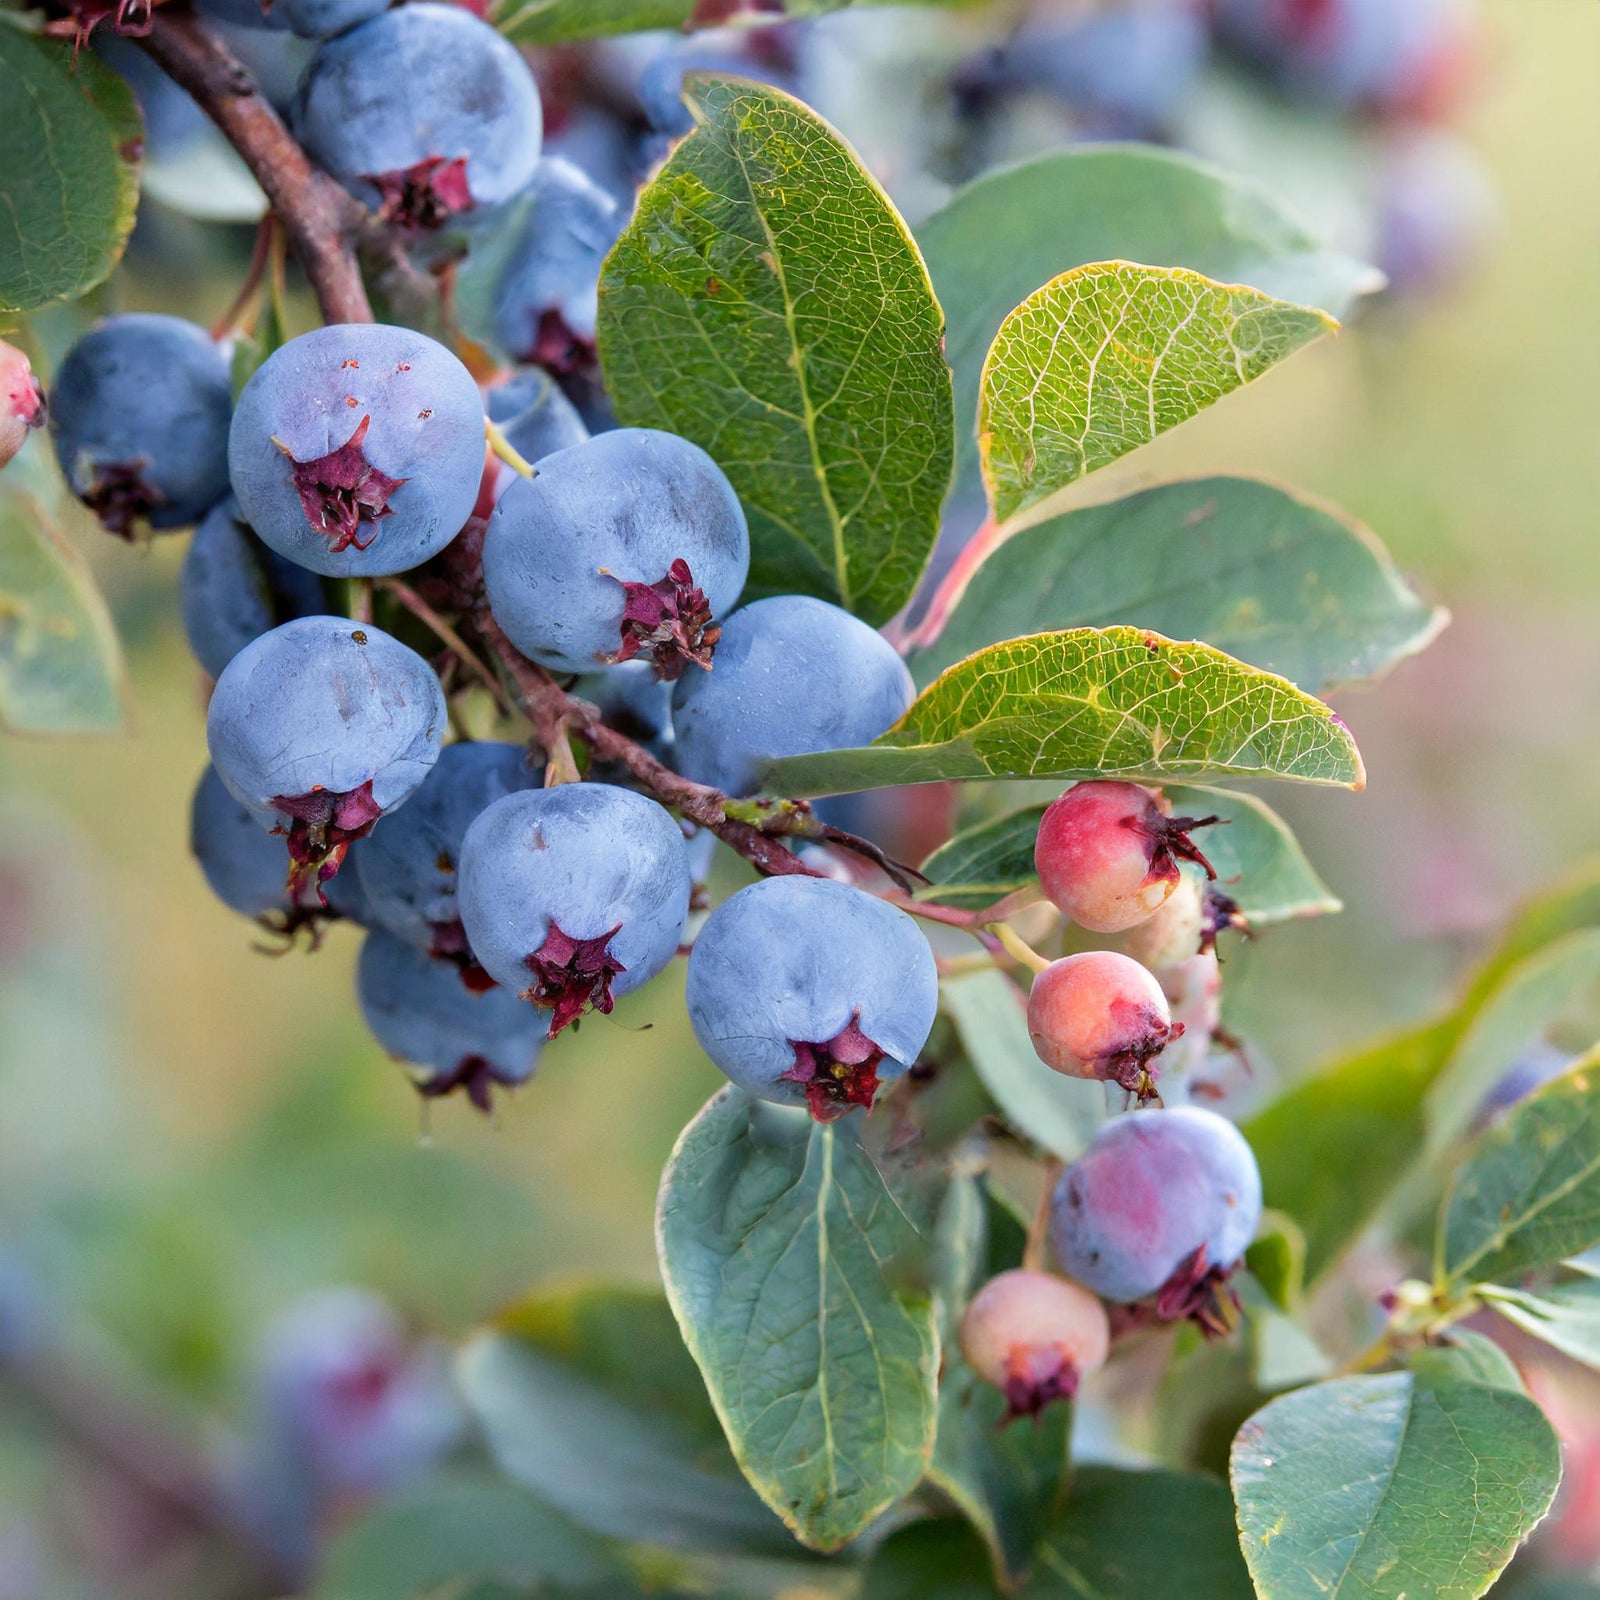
(318, 215)
(458, 647)
(1017, 947)
(1033, 1251)
(360, 599)
(232, 319)
(507, 451)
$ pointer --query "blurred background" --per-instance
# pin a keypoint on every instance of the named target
(197, 1133)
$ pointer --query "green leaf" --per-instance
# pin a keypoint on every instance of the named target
(1565, 1316)
(1529, 1195)
(1258, 860)
(1106, 357)
(1009, 231)
(1285, 583)
(1102, 359)
(1008, 1480)
(588, 1398)
(1334, 1146)
(1277, 1259)
(1120, 1536)
(767, 302)
(61, 668)
(565, 21)
(1532, 995)
(1463, 1355)
(70, 142)
(1376, 1487)
(1093, 703)
(1054, 1111)
(458, 1528)
(782, 1245)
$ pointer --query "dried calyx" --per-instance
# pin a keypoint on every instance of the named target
(836, 1073)
(571, 976)
(424, 196)
(322, 827)
(342, 490)
(669, 622)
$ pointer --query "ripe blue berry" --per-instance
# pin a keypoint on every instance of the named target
(573, 896)
(242, 862)
(547, 299)
(321, 727)
(1034, 1336)
(423, 112)
(534, 415)
(22, 404)
(457, 1037)
(630, 544)
(140, 415)
(809, 992)
(1163, 1204)
(233, 588)
(310, 19)
(357, 449)
(793, 675)
(408, 867)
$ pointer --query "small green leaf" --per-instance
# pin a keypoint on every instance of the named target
(1056, 1112)
(1012, 229)
(1093, 703)
(459, 1528)
(1533, 994)
(566, 21)
(1007, 1480)
(1120, 1536)
(1529, 1195)
(1282, 582)
(782, 1245)
(61, 668)
(1258, 860)
(587, 1398)
(1277, 1259)
(768, 303)
(1565, 1316)
(1102, 359)
(1376, 1487)
(70, 144)
(1463, 1355)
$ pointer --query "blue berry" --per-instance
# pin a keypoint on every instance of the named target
(1164, 1204)
(233, 589)
(630, 544)
(456, 1036)
(311, 19)
(660, 86)
(546, 303)
(140, 414)
(535, 416)
(422, 112)
(793, 675)
(321, 727)
(808, 992)
(575, 895)
(243, 864)
(408, 867)
(357, 449)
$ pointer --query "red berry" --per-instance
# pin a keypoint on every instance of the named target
(1101, 1015)
(1033, 1336)
(1107, 853)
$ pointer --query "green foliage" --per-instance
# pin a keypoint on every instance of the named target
(767, 302)
(791, 1258)
(566, 21)
(1279, 581)
(1565, 1316)
(1119, 1536)
(1103, 358)
(1258, 860)
(1529, 1195)
(1013, 229)
(588, 1399)
(1112, 702)
(70, 144)
(1367, 1488)
(61, 668)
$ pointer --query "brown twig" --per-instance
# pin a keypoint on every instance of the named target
(317, 214)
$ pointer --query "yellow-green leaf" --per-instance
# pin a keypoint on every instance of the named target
(1105, 357)
(1094, 703)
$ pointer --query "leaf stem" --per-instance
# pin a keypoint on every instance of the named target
(507, 451)
(1017, 947)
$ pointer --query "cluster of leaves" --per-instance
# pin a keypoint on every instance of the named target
(767, 302)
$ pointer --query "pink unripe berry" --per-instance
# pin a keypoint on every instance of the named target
(1107, 853)
(1033, 1336)
(1174, 931)
(21, 400)
(1101, 1015)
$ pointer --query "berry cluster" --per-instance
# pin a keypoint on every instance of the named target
(387, 553)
